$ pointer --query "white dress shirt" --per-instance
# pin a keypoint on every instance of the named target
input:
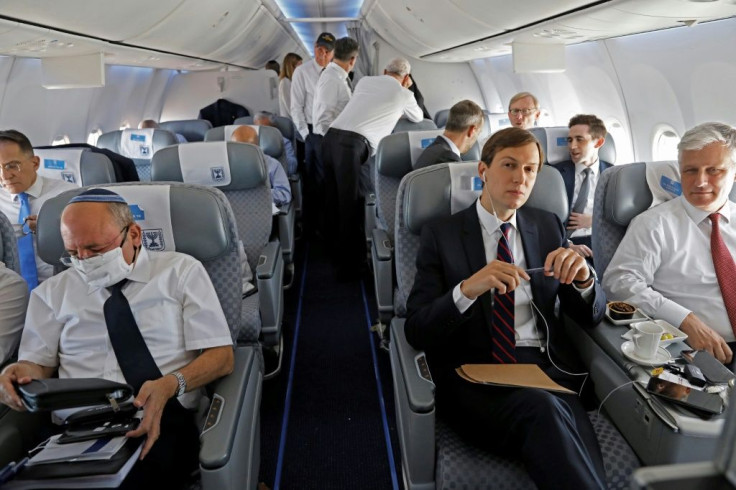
(330, 97)
(303, 83)
(173, 302)
(42, 190)
(453, 146)
(375, 107)
(664, 266)
(13, 303)
(527, 333)
(285, 97)
(579, 176)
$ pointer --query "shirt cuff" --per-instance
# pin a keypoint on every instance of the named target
(304, 134)
(586, 293)
(462, 302)
(672, 313)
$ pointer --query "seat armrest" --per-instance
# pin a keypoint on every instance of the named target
(382, 244)
(267, 261)
(370, 199)
(286, 221)
(419, 389)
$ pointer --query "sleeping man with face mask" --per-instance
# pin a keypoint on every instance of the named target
(73, 326)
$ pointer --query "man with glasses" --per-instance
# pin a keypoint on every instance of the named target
(23, 192)
(78, 321)
(523, 110)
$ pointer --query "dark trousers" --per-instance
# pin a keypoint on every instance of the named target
(344, 153)
(314, 177)
(550, 434)
(173, 457)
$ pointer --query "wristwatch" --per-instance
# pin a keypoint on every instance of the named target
(182, 383)
(592, 275)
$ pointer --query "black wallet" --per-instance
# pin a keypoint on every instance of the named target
(42, 395)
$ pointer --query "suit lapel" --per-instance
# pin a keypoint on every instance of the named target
(567, 169)
(475, 252)
(530, 243)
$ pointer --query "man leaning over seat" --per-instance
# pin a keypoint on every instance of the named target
(665, 262)
(454, 315)
(177, 313)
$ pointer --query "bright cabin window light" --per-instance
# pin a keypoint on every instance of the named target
(664, 144)
(125, 125)
(620, 139)
(61, 140)
(93, 137)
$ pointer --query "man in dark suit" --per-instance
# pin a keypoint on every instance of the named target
(581, 173)
(472, 303)
(464, 124)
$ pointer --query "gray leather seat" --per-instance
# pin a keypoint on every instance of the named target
(433, 455)
(78, 166)
(554, 144)
(440, 117)
(203, 226)
(191, 129)
(8, 244)
(494, 122)
(249, 194)
(272, 144)
(161, 139)
(395, 158)
(406, 125)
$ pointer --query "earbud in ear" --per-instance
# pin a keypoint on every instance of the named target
(484, 178)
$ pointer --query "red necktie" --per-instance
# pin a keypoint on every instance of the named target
(504, 334)
(725, 269)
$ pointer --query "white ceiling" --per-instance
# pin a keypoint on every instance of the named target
(197, 35)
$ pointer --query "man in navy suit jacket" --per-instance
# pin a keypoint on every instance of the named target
(453, 314)
(586, 136)
(464, 124)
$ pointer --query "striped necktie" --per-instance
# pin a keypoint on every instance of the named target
(502, 321)
(25, 245)
(582, 200)
(725, 269)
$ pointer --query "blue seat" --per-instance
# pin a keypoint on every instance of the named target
(118, 141)
(191, 129)
(78, 166)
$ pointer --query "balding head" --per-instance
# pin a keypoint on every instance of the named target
(245, 134)
(148, 124)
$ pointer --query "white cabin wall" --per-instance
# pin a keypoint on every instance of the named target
(129, 95)
(257, 90)
(442, 84)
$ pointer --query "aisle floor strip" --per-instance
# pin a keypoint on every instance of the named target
(287, 401)
(379, 387)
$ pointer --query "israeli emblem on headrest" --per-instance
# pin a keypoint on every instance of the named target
(68, 177)
(153, 239)
(218, 174)
(426, 142)
(145, 150)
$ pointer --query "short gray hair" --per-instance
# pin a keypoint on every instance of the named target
(398, 66)
(704, 134)
(121, 213)
(268, 116)
(464, 114)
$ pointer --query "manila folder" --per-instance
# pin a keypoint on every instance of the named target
(513, 375)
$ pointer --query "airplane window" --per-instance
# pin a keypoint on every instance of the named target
(60, 140)
(93, 136)
(125, 125)
(664, 144)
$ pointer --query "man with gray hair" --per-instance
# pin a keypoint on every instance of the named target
(265, 118)
(524, 110)
(372, 112)
(676, 261)
(464, 124)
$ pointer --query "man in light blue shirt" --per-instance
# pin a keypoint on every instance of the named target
(267, 119)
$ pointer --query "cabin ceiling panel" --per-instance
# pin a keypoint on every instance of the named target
(115, 20)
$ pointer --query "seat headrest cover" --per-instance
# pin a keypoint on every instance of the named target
(186, 218)
(247, 166)
(204, 163)
(465, 185)
(553, 142)
(61, 164)
(663, 179)
(497, 120)
(419, 140)
(137, 143)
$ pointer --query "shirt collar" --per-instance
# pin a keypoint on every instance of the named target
(34, 190)
(452, 144)
(579, 167)
(142, 270)
(698, 215)
(338, 69)
(489, 222)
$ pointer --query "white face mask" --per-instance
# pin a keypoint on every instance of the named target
(103, 270)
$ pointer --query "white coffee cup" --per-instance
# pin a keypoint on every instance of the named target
(647, 336)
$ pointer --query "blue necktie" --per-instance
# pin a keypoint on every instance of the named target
(25, 245)
(502, 321)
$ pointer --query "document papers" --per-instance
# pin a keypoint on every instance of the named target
(512, 375)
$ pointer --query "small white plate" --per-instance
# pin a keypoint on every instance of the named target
(638, 317)
(663, 355)
(677, 334)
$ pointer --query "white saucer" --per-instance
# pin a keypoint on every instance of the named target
(663, 355)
